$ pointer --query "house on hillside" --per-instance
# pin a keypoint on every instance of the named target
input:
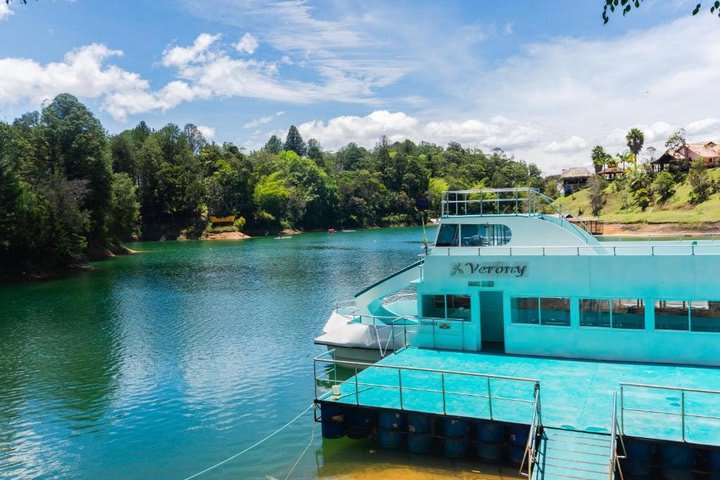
(680, 158)
(611, 173)
(574, 179)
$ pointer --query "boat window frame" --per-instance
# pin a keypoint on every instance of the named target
(446, 307)
(612, 311)
(539, 313)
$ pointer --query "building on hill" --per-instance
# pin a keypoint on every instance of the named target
(574, 179)
(611, 173)
(680, 158)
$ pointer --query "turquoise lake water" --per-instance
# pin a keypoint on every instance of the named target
(160, 364)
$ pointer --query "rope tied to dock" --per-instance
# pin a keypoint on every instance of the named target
(260, 442)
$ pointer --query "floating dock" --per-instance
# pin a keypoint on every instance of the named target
(568, 418)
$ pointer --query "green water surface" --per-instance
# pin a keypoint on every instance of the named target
(160, 364)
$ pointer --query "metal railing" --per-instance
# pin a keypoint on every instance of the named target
(614, 435)
(530, 455)
(503, 201)
(681, 410)
(402, 383)
(581, 250)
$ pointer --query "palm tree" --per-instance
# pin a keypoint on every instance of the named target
(635, 139)
(599, 157)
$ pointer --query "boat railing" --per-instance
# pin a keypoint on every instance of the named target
(504, 201)
(452, 390)
(696, 410)
(582, 250)
(530, 455)
(615, 434)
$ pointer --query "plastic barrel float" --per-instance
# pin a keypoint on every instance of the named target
(359, 422)
(332, 417)
(489, 441)
(518, 440)
(419, 434)
(677, 461)
(391, 424)
(638, 464)
(455, 432)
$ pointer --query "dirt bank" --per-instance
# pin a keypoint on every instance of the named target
(661, 229)
(225, 236)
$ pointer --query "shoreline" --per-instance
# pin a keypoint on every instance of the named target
(661, 229)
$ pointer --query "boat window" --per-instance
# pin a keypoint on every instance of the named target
(671, 315)
(628, 313)
(448, 235)
(483, 235)
(555, 311)
(594, 313)
(446, 306)
(458, 306)
(705, 316)
(525, 310)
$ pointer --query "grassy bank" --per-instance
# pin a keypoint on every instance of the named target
(620, 208)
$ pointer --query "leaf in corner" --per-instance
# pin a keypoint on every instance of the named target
(697, 9)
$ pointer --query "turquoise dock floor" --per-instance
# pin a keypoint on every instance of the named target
(574, 394)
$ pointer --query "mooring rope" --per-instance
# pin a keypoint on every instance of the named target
(312, 405)
(307, 447)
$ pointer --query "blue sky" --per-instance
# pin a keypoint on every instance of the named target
(544, 81)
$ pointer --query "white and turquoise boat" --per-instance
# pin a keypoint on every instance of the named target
(508, 273)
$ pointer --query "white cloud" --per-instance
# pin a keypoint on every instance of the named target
(704, 126)
(207, 132)
(569, 145)
(247, 44)
(198, 52)
(5, 11)
(498, 132)
(262, 120)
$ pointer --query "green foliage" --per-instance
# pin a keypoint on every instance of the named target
(700, 182)
(663, 186)
(274, 145)
(676, 140)
(635, 140)
(294, 141)
(599, 157)
(625, 6)
(596, 187)
(124, 216)
(239, 223)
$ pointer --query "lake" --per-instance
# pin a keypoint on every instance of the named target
(161, 364)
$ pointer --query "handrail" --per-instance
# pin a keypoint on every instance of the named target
(358, 386)
(385, 279)
(614, 434)
(531, 447)
(580, 250)
(683, 414)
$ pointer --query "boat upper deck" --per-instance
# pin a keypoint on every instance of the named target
(656, 401)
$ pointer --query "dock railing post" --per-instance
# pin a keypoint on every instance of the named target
(622, 411)
(682, 412)
(400, 387)
(315, 379)
(442, 383)
(489, 392)
(357, 390)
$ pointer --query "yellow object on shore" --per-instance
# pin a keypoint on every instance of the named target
(227, 219)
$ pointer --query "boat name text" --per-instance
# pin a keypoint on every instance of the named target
(471, 268)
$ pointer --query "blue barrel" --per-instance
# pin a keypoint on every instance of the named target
(714, 460)
(638, 463)
(391, 420)
(419, 423)
(419, 443)
(389, 439)
(515, 455)
(455, 427)
(678, 474)
(359, 422)
(674, 456)
(489, 432)
(455, 447)
(332, 418)
(489, 452)
(519, 435)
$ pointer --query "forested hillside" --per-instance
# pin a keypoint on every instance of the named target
(69, 191)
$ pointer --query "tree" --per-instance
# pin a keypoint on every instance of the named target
(125, 212)
(627, 5)
(294, 142)
(596, 185)
(77, 149)
(635, 139)
(599, 157)
(699, 182)
(663, 186)
(274, 145)
(676, 140)
(314, 150)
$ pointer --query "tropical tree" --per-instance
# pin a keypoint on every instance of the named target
(635, 139)
(676, 140)
(596, 185)
(700, 182)
(663, 186)
(599, 157)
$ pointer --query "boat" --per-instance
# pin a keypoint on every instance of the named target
(510, 273)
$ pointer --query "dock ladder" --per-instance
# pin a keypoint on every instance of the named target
(579, 455)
